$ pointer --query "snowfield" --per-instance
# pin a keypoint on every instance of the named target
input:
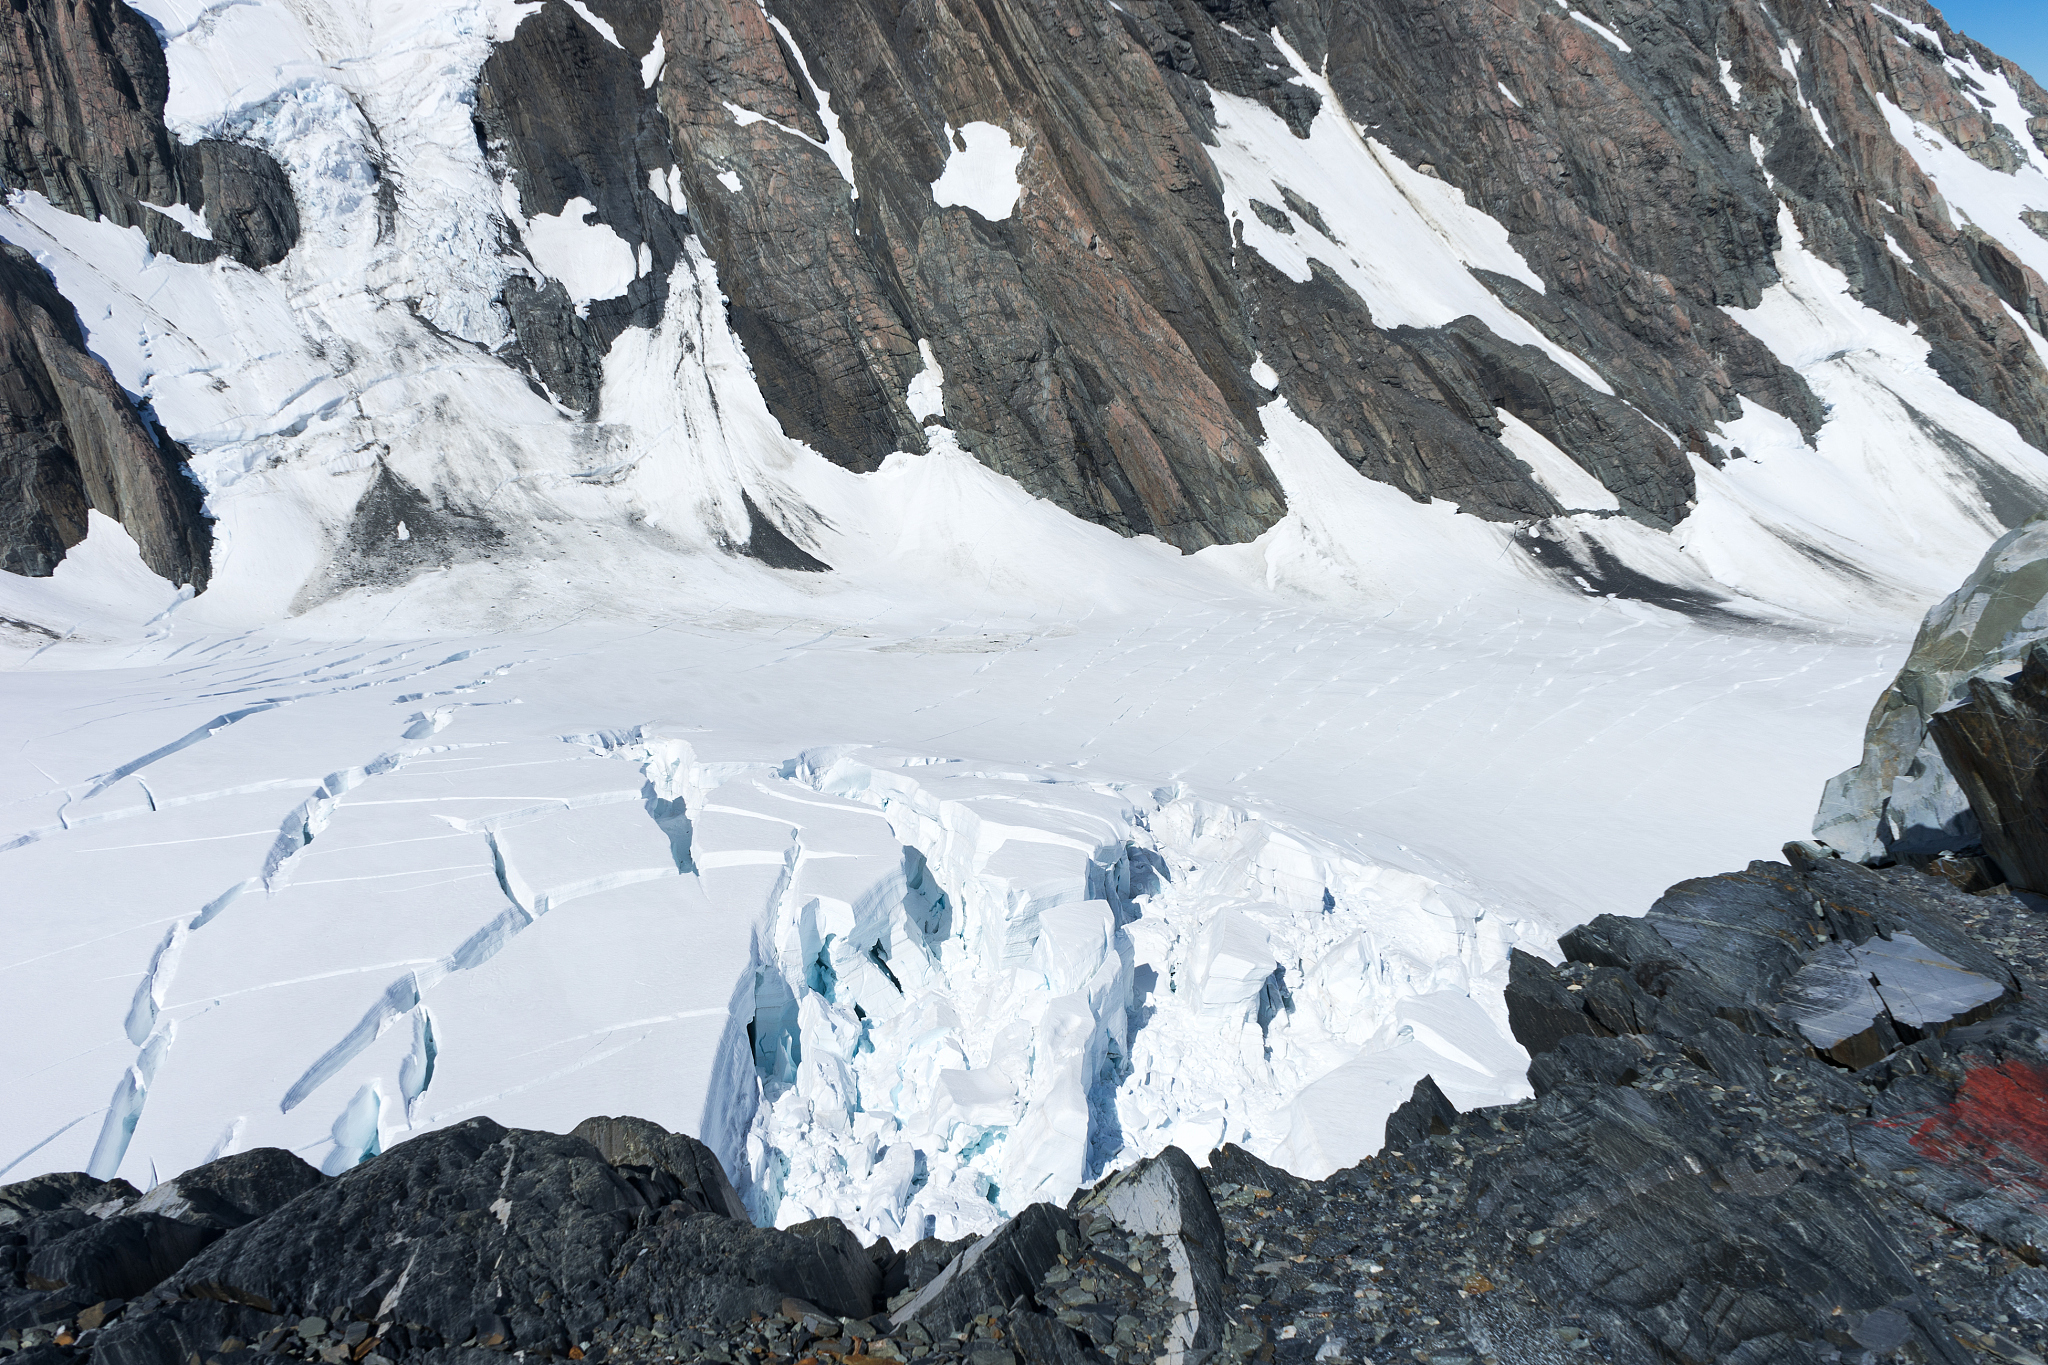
(1004, 854)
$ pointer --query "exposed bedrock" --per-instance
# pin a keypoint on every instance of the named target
(71, 440)
(82, 87)
(1996, 746)
(1096, 338)
(82, 91)
(1900, 800)
(1630, 185)
(567, 117)
(1093, 339)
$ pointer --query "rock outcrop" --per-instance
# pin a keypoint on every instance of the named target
(1901, 801)
(1094, 345)
(1096, 337)
(84, 84)
(1036, 201)
(71, 440)
(1996, 747)
(567, 118)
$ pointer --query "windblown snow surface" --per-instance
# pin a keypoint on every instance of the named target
(1007, 852)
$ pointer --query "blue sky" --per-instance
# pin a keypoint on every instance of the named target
(2012, 28)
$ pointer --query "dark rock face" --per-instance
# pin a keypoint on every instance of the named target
(1094, 345)
(1692, 1181)
(1996, 746)
(508, 1234)
(117, 1258)
(1664, 1204)
(1647, 155)
(1096, 341)
(567, 115)
(1900, 800)
(232, 1191)
(646, 1153)
(1165, 1197)
(71, 440)
(84, 83)
(992, 1274)
(768, 543)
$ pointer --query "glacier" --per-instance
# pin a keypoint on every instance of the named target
(1007, 853)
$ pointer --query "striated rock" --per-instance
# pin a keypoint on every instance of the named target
(117, 1258)
(1164, 1197)
(1696, 1233)
(920, 1264)
(1093, 343)
(1426, 1112)
(565, 113)
(992, 1274)
(1996, 747)
(509, 1237)
(71, 440)
(1900, 800)
(1096, 338)
(61, 1190)
(84, 83)
(1541, 1013)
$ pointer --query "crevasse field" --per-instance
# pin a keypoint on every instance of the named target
(1004, 854)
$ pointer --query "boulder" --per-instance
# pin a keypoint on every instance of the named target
(1425, 1111)
(1165, 1197)
(992, 1274)
(61, 1190)
(672, 1166)
(1541, 1012)
(1996, 747)
(117, 1258)
(505, 1234)
(502, 1230)
(1901, 799)
(234, 1190)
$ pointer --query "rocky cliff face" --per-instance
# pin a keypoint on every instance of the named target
(1098, 328)
(1549, 265)
(82, 91)
(1901, 801)
(1099, 336)
(71, 440)
(84, 83)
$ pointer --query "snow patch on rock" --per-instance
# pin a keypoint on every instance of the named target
(589, 258)
(1783, 522)
(1407, 242)
(981, 171)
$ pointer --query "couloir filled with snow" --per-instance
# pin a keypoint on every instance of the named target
(1007, 852)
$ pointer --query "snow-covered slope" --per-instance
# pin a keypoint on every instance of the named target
(979, 847)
